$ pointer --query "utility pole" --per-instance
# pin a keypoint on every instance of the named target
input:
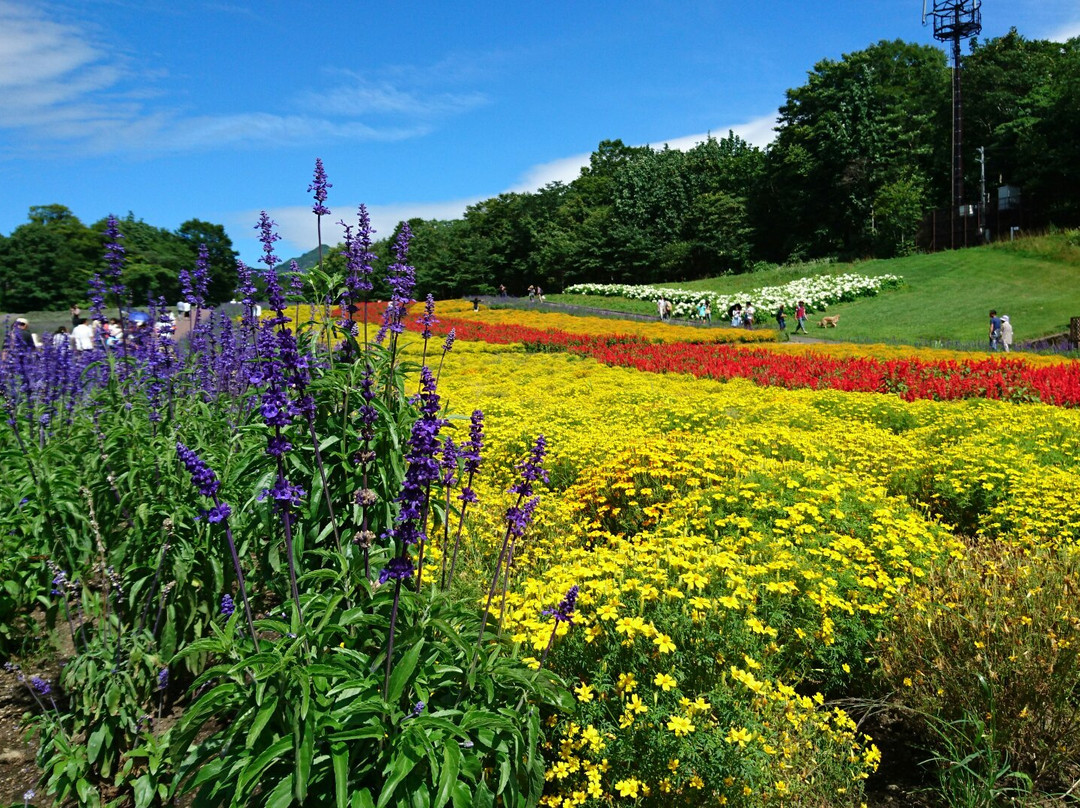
(955, 21)
(983, 232)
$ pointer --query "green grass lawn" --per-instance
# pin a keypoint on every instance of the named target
(946, 296)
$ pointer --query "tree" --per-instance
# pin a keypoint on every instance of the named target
(222, 256)
(46, 262)
(857, 125)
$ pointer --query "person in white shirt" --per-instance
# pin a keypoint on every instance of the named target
(82, 336)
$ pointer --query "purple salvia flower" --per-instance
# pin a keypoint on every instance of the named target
(96, 293)
(227, 605)
(219, 513)
(427, 319)
(449, 344)
(359, 259)
(319, 185)
(296, 278)
(564, 612)
(267, 236)
(114, 255)
(401, 279)
(163, 679)
(518, 518)
(531, 469)
(423, 468)
(41, 686)
(201, 474)
(449, 462)
(193, 284)
(398, 569)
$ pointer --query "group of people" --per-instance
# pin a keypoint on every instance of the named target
(535, 293)
(1001, 332)
(800, 318)
(86, 334)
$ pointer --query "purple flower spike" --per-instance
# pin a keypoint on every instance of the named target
(449, 340)
(319, 186)
(427, 319)
(227, 605)
(397, 570)
(564, 612)
(41, 686)
(532, 469)
(193, 284)
(267, 236)
(114, 255)
(163, 679)
(201, 474)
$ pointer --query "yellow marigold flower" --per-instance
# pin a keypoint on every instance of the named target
(626, 683)
(628, 788)
(673, 764)
(584, 693)
(664, 681)
(741, 736)
(680, 725)
(532, 663)
(634, 704)
(664, 643)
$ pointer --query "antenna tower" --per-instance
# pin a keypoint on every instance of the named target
(955, 21)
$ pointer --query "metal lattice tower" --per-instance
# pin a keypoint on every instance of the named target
(955, 21)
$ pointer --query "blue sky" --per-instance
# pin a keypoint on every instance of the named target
(217, 109)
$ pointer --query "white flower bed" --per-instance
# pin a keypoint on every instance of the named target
(817, 293)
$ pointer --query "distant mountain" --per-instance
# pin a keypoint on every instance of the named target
(305, 261)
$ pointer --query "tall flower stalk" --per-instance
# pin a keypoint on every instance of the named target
(204, 479)
(518, 517)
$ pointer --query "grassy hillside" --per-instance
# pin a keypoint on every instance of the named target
(946, 296)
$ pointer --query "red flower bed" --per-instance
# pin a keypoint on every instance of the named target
(910, 378)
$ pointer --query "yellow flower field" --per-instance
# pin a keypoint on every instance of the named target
(741, 553)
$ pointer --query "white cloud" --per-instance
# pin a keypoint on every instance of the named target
(296, 225)
(758, 132)
(1065, 31)
(359, 96)
(66, 92)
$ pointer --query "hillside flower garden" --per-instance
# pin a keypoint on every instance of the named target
(412, 554)
(817, 292)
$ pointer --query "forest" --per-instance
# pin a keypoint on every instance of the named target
(860, 157)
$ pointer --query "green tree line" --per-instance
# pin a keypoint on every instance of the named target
(861, 154)
(46, 262)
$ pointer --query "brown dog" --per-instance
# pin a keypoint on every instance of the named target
(826, 322)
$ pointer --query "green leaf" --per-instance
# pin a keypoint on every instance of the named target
(448, 774)
(484, 797)
(362, 799)
(255, 768)
(461, 795)
(102, 736)
(304, 755)
(282, 795)
(339, 753)
(403, 671)
(259, 723)
(403, 763)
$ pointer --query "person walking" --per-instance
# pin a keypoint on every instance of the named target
(800, 317)
(995, 330)
(1006, 333)
(781, 319)
(748, 315)
(661, 307)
